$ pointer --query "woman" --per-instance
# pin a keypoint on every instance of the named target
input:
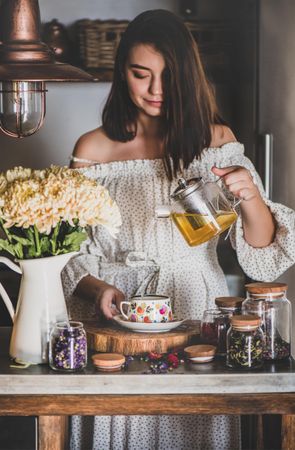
(161, 121)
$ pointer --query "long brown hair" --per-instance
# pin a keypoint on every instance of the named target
(189, 104)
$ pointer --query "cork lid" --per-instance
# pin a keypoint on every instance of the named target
(229, 302)
(265, 288)
(245, 321)
(108, 360)
(200, 350)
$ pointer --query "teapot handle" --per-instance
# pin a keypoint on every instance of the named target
(237, 202)
(3, 292)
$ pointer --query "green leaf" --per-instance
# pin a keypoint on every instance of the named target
(37, 241)
(30, 243)
(6, 230)
(72, 241)
(18, 249)
(45, 245)
(29, 233)
(31, 252)
(22, 240)
(5, 245)
(53, 240)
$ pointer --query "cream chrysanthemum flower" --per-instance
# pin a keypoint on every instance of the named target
(3, 183)
(45, 198)
(18, 173)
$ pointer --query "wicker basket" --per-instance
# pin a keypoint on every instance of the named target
(98, 42)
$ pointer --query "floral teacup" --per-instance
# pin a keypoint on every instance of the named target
(148, 309)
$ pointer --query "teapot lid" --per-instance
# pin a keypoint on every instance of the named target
(186, 187)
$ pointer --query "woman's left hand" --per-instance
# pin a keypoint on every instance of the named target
(238, 181)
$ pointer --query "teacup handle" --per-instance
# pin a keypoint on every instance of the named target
(121, 309)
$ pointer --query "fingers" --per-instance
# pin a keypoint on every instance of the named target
(242, 189)
(105, 303)
(114, 311)
(106, 309)
(232, 174)
(221, 171)
(119, 297)
(238, 181)
(109, 302)
(245, 194)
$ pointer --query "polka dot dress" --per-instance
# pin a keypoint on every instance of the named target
(191, 276)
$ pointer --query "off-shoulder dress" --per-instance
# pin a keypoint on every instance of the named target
(191, 276)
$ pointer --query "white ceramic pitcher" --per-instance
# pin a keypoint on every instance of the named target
(40, 304)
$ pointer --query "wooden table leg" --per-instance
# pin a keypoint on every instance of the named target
(259, 433)
(53, 432)
(288, 432)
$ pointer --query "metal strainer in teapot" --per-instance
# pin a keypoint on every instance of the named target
(200, 210)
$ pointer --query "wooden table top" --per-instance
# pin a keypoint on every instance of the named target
(209, 378)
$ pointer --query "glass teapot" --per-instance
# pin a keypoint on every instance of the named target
(200, 210)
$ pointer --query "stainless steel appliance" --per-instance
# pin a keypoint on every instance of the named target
(257, 98)
(276, 108)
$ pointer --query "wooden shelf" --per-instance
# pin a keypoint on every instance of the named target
(214, 38)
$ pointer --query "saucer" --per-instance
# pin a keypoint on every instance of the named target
(142, 327)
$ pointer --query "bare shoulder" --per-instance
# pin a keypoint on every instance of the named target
(93, 147)
(221, 135)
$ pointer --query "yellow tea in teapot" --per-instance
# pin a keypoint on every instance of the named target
(200, 228)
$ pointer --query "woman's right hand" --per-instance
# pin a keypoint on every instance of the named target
(108, 300)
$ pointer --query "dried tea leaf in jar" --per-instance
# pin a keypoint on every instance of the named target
(245, 342)
(269, 301)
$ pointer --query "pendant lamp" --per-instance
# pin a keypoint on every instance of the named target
(26, 64)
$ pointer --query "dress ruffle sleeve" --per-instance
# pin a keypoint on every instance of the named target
(267, 263)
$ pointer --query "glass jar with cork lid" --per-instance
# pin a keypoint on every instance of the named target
(68, 347)
(245, 342)
(214, 326)
(269, 301)
(229, 304)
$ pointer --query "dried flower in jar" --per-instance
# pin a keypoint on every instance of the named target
(68, 347)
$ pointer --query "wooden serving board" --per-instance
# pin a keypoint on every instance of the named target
(110, 337)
